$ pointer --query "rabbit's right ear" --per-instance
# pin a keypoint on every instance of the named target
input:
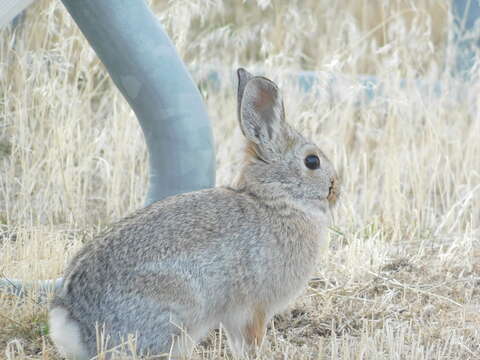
(261, 112)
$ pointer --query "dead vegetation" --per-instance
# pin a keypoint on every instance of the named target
(402, 276)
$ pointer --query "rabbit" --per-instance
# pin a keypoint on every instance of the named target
(235, 256)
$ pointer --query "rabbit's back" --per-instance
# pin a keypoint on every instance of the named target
(178, 226)
(176, 235)
(193, 255)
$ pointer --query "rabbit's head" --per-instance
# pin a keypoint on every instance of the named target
(279, 161)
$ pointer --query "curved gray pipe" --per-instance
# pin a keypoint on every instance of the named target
(20, 287)
(145, 66)
(147, 70)
(466, 14)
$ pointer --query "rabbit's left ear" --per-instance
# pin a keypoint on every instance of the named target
(243, 77)
(261, 111)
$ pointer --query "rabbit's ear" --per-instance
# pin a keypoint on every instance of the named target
(243, 77)
(261, 111)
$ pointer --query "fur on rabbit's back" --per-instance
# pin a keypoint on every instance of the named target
(195, 255)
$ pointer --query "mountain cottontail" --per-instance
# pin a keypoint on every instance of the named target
(234, 256)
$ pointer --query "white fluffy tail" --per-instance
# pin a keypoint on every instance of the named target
(65, 334)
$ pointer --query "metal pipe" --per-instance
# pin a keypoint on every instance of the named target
(465, 15)
(145, 66)
(147, 70)
(20, 287)
(9, 9)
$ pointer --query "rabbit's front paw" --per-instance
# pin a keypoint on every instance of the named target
(245, 331)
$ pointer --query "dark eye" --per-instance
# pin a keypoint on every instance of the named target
(312, 162)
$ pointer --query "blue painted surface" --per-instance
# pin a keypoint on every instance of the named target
(146, 68)
(466, 14)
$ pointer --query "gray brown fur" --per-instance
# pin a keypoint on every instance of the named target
(234, 256)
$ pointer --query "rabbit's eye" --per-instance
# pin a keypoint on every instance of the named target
(312, 162)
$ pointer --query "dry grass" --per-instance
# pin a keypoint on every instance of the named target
(401, 279)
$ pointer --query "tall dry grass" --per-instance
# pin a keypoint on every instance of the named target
(401, 278)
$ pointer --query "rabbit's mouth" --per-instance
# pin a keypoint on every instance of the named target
(333, 191)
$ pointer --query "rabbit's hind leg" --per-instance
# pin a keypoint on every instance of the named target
(245, 330)
(184, 341)
(167, 334)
